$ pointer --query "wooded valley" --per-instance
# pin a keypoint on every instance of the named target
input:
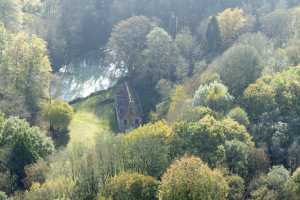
(182, 100)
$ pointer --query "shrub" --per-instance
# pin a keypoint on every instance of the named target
(3, 196)
(236, 187)
(131, 186)
(147, 148)
(59, 114)
(207, 137)
(239, 115)
(215, 96)
(190, 179)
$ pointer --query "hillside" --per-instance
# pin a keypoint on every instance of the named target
(149, 99)
(93, 115)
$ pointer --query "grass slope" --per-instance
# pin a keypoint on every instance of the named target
(92, 116)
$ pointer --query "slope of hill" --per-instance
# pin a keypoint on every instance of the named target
(93, 115)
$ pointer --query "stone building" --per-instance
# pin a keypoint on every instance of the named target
(128, 109)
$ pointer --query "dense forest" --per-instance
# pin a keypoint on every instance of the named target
(205, 102)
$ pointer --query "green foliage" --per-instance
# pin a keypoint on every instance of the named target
(232, 23)
(194, 114)
(185, 43)
(2, 120)
(8, 182)
(166, 49)
(25, 73)
(272, 185)
(293, 186)
(74, 28)
(128, 40)
(272, 23)
(259, 41)
(215, 96)
(109, 156)
(213, 35)
(279, 92)
(178, 98)
(3, 196)
(239, 66)
(294, 157)
(279, 143)
(207, 137)
(236, 187)
(147, 148)
(162, 55)
(27, 144)
(293, 52)
(190, 179)
(35, 173)
(243, 160)
(239, 115)
(130, 186)
(59, 114)
(237, 154)
(10, 13)
(59, 188)
(87, 183)
(273, 60)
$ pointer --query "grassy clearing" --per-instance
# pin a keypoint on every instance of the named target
(93, 116)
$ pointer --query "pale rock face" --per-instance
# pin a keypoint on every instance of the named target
(82, 78)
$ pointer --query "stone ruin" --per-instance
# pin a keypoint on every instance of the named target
(128, 109)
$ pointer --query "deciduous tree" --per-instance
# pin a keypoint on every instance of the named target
(189, 178)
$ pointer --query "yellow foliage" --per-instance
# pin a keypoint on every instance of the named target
(159, 128)
(231, 22)
(58, 188)
(190, 178)
(179, 101)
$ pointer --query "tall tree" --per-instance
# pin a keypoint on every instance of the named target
(213, 35)
(162, 55)
(127, 41)
(27, 71)
(10, 13)
(186, 45)
(232, 23)
(27, 145)
(191, 179)
(239, 66)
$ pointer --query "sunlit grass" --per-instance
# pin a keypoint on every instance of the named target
(84, 127)
(93, 116)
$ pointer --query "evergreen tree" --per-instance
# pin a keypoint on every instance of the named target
(213, 35)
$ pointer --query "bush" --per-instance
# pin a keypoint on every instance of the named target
(274, 93)
(245, 160)
(35, 173)
(58, 188)
(272, 185)
(131, 186)
(207, 137)
(27, 144)
(190, 179)
(240, 66)
(215, 96)
(3, 196)
(7, 182)
(293, 186)
(147, 148)
(236, 187)
(239, 115)
(59, 114)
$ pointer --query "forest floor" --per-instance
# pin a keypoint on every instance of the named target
(93, 116)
